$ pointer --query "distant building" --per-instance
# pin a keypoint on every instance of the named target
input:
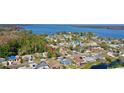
(2, 60)
(13, 60)
(66, 61)
(79, 60)
(53, 64)
(42, 65)
(27, 58)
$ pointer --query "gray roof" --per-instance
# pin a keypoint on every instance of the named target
(66, 61)
(2, 59)
(42, 64)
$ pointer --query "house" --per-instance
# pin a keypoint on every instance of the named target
(81, 44)
(2, 60)
(78, 59)
(60, 58)
(27, 58)
(75, 43)
(13, 60)
(42, 65)
(63, 51)
(96, 48)
(66, 61)
(98, 56)
(54, 64)
(89, 59)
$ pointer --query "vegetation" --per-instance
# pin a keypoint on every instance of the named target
(90, 64)
(2, 66)
(23, 42)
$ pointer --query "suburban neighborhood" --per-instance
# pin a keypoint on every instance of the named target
(63, 50)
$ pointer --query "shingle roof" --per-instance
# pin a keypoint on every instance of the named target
(42, 64)
(66, 61)
(53, 63)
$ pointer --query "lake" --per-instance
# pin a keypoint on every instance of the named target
(52, 28)
(113, 64)
(100, 66)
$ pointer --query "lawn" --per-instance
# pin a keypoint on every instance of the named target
(90, 64)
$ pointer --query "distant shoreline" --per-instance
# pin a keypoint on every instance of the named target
(100, 26)
(113, 27)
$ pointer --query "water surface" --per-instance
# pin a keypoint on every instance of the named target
(48, 29)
